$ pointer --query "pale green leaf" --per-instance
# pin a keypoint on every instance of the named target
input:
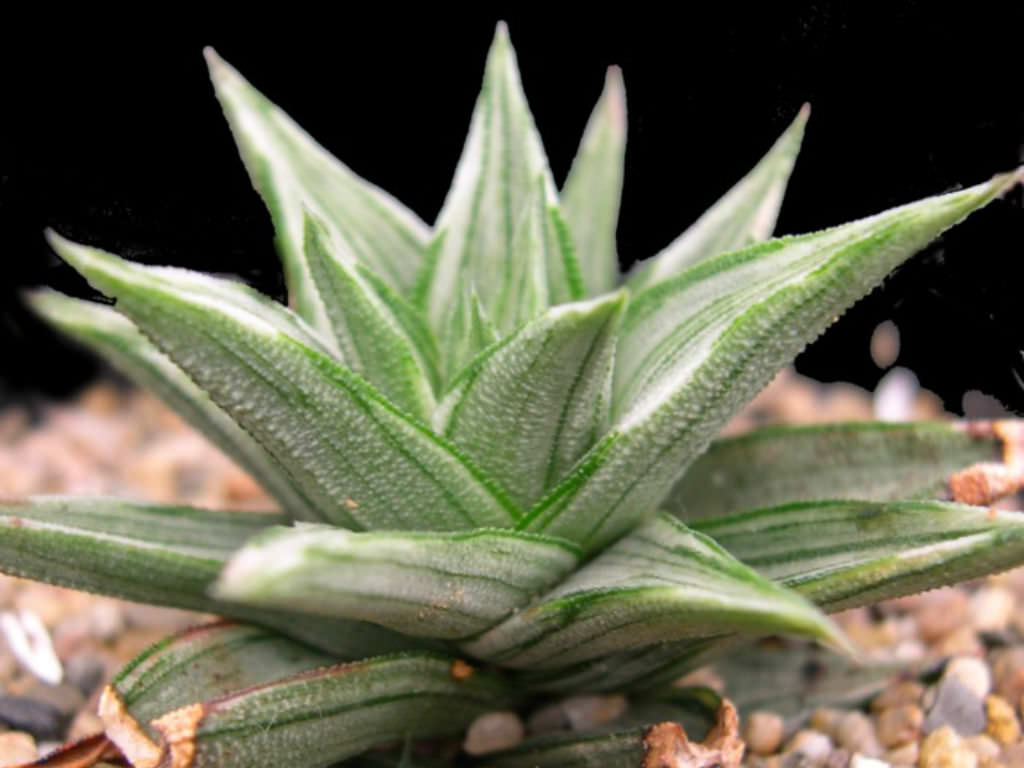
(205, 663)
(494, 182)
(370, 339)
(661, 583)
(161, 555)
(593, 189)
(316, 718)
(868, 461)
(294, 174)
(694, 348)
(468, 333)
(744, 215)
(361, 461)
(446, 585)
(529, 407)
(118, 341)
(864, 552)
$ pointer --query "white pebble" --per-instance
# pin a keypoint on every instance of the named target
(972, 673)
(862, 761)
(493, 731)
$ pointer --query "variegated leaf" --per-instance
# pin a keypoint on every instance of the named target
(362, 462)
(370, 339)
(527, 409)
(199, 664)
(695, 348)
(295, 174)
(316, 718)
(495, 181)
(161, 555)
(118, 341)
(593, 189)
(863, 552)
(869, 461)
(744, 215)
(661, 583)
(445, 585)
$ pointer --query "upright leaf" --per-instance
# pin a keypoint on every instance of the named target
(116, 339)
(294, 174)
(496, 177)
(370, 338)
(527, 409)
(360, 460)
(593, 189)
(661, 583)
(161, 555)
(868, 461)
(744, 215)
(695, 348)
(445, 585)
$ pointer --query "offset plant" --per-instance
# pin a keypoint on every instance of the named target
(492, 454)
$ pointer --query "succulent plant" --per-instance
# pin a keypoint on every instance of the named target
(494, 457)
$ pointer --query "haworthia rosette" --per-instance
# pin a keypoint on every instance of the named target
(115, 338)
(295, 174)
(662, 582)
(745, 214)
(363, 462)
(162, 555)
(445, 585)
(696, 347)
(531, 405)
(593, 188)
(871, 461)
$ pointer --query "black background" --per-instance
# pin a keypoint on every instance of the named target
(115, 139)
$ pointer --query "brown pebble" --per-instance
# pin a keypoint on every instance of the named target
(905, 755)
(940, 612)
(899, 725)
(86, 723)
(898, 694)
(856, 732)
(763, 732)
(943, 748)
(16, 747)
(493, 731)
(983, 746)
(963, 641)
(1002, 725)
(991, 607)
(826, 720)
(1008, 672)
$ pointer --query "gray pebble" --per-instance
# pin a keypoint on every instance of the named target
(44, 721)
(85, 671)
(958, 706)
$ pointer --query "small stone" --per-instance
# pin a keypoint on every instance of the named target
(840, 758)
(85, 671)
(899, 725)
(962, 641)
(905, 755)
(1002, 724)
(826, 720)
(763, 732)
(1011, 757)
(493, 731)
(897, 695)
(862, 761)
(990, 608)
(856, 732)
(106, 621)
(813, 746)
(957, 706)
(943, 748)
(64, 697)
(1008, 672)
(585, 712)
(42, 720)
(972, 673)
(940, 612)
(16, 748)
(983, 746)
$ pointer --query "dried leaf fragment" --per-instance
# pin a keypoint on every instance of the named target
(666, 744)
